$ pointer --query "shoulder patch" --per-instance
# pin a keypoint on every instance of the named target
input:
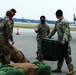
(9, 22)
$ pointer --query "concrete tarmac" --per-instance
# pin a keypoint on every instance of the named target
(26, 42)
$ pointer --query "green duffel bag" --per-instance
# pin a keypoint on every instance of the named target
(2, 73)
(43, 68)
(10, 70)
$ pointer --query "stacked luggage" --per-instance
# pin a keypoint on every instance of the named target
(30, 69)
(35, 68)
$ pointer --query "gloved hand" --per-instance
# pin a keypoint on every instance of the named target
(63, 42)
(12, 42)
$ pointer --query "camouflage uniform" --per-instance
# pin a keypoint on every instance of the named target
(63, 32)
(43, 31)
(6, 29)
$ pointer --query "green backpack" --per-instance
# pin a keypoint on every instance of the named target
(10, 70)
(43, 68)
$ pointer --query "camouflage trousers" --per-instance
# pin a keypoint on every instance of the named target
(5, 60)
(40, 56)
(5, 52)
(39, 46)
(68, 59)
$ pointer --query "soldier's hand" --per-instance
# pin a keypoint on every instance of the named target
(13, 42)
(63, 42)
(36, 30)
(46, 36)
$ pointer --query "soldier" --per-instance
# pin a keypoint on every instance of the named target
(5, 35)
(42, 30)
(63, 32)
(12, 22)
(13, 11)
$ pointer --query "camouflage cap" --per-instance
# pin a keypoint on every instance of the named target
(9, 13)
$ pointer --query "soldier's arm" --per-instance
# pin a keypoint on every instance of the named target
(36, 29)
(48, 31)
(66, 31)
(10, 35)
(52, 32)
(11, 32)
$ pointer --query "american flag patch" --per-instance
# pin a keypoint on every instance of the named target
(9, 22)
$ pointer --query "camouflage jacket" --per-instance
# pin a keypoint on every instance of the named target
(6, 29)
(62, 29)
(43, 31)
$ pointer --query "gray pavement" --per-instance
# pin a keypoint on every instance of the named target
(26, 42)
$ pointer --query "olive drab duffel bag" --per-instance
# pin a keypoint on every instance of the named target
(30, 69)
(10, 70)
(17, 56)
(43, 69)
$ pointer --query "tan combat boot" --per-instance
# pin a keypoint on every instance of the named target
(70, 72)
(41, 62)
(40, 58)
(57, 70)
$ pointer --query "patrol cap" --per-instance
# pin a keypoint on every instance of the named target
(42, 16)
(13, 10)
(9, 13)
(59, 13)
